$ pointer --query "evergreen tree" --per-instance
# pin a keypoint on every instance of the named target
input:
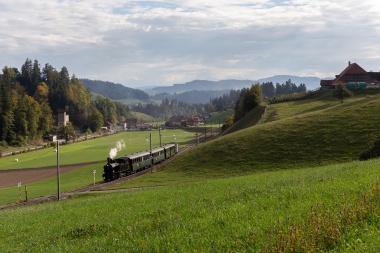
(341, 92)
(268, 89)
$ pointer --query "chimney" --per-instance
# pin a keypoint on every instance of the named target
(349, 63)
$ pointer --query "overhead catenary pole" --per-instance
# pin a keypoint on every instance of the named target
(151, 155)
(58, 180)
(159, 132)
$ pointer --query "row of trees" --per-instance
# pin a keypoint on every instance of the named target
(29, 101)
(269, 90)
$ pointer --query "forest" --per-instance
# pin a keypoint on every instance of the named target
(30, 98)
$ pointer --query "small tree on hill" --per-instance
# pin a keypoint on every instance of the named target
(341, 92)
(372, 152)
(249, 99)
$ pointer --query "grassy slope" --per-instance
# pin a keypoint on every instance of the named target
(252, 118)
(235, 214)
(243, 214)
(335, 134)
(217, 118)
(141, 117)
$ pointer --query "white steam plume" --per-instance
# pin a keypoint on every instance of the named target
(119, 146)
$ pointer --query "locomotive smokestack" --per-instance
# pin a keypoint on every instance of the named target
(109, 160)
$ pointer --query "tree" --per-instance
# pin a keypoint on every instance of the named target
(66, 132)
(45, 123)
(373, 151)
(107, 108)
(41, 93)
(26, 78)
(268, 89)
(341, 91)
(95, 120)
(249, 99)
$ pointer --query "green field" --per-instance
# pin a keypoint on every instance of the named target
(96, 149)
(291, 182)
(87, 151)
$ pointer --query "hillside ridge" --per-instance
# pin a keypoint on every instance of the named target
(303, 134)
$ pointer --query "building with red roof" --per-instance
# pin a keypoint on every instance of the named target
(353, 76)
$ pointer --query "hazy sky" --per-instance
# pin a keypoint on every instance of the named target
(143, 43)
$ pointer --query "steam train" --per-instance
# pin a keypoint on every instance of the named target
(129, 164)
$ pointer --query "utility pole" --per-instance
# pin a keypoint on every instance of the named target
(159, 132)
(58, 179)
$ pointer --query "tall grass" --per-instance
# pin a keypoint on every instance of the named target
(243, 214)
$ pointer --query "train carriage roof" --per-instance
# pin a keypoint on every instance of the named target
(158, 149)
(147, 153)
(138, 154)
(169, 145)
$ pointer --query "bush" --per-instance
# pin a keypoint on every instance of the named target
(372, 152)
(4, 144)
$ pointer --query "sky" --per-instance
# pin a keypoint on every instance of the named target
(156, 43)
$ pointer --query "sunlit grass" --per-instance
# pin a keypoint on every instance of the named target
(96, 149)
(242, 214)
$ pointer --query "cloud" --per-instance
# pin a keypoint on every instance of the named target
(141, 43)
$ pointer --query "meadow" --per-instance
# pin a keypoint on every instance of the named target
(95, 149)
(291, 182)
(302, 210)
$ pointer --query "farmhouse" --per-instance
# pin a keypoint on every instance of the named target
(194, 121)
(353, 76)
(175, 121)
(131, 123)
(179, 120)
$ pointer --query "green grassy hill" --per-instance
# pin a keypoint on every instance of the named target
(290, 183)
(252, 118)
(332, 208)
(299, 134)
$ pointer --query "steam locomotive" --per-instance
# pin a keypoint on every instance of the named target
(126, 165)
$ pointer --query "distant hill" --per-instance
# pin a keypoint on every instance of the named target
(114, 91)
(202, 85)
(194, 96)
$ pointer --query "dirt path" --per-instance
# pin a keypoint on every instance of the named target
(9, 178)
